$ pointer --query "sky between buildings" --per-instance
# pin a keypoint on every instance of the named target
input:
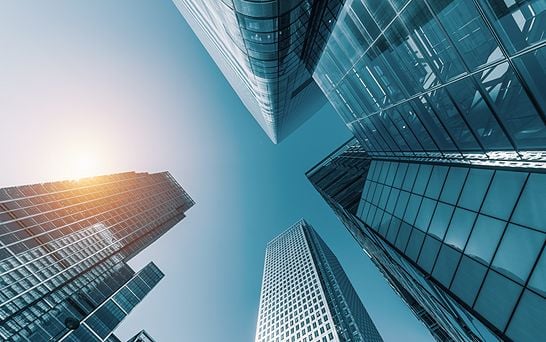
(102, 86)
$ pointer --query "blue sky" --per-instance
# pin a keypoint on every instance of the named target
(95, 87)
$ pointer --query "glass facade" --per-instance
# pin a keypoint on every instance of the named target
(142, 336)
(442, 78)
(99, 324)
(267, 50)
(63, 246)
(471, 235)
(306, 295)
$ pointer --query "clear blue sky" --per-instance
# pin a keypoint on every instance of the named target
(102, 86)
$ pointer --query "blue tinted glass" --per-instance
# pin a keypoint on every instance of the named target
(428, 253)
(468, 31)
(392, 200)
(391, 174)
(532, 66)
(453, 184)
(531, 209)
(518, 252)
(513, 106)
(410, 177)
(478, 114)
(518, 23)
(414, 244)
(436, 181)
(411, 210)
(401, 204)
(425, 214)
(497, 299)
(377, 194)
(485, 238)
(538, 278)
(528, 321)
(503, 193)
(422, 179)
(446, 265)
(468, 280)
(400, 174)
(384, 171)
(433, 124)
(403, 236)
(440, 220)
(474, 189)
(385, 223)
(393, 230)
(384, 196)
(460, 228)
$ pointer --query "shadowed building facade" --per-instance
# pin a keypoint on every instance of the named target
(64, 248)
(463, 245)
(306, 296)
(267, 50)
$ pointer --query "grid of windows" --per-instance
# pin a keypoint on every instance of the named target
(60, 241)
(267, 49)
(436, 78)
(292, 304)
(465, 227)
(306, 295)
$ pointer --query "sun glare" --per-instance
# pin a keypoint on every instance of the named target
(83, 163)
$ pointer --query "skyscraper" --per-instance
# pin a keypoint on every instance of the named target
(64, 248)
(267, 50)
(306, 296)
(462, 244)
(141, 337)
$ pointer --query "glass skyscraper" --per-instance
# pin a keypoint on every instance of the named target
(64, 248)
(142, 336)
(306, 296)
(267, 50)
(462, 244)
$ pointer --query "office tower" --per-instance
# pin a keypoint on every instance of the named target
(267, 50)
(64, 246)
(142, 336)
(461, 243)
(306, 296)
(101, 322)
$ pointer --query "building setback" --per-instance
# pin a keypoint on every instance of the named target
(306, 296)
(64, 248)
(267, 50)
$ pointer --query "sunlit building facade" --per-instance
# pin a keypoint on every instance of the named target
(462, 244)
(64, 248)
(306, 296)
(267, 50)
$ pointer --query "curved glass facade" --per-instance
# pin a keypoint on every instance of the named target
(268, 51)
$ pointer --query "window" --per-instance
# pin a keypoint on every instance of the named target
(528, 321)
(531, 209)
(475, 187)
(485, 238)
(468, 279)
(503, 193)
(460, 228)
(453, 185)
(440, 220)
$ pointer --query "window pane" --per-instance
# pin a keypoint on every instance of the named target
(460, 227)
(411, 210)
(410, 177)
(468, 280)
(497, 299)
(425, 214)
(485, 238)
(440, 220)
(532, 66)
(531, 210)
(538, 279)
(414, 244)
(475, 187)
(422, 179)
(401, 204)
(403, 236)
(436, 181)
(446, 265)
(453, 185)
(428, 253)
(503, 193)
(518, 252)
(528, 321)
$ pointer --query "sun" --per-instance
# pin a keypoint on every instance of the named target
(83, 162)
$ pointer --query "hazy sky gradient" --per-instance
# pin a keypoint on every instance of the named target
(102, 86)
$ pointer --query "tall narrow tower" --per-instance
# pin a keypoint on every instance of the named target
(306, 295)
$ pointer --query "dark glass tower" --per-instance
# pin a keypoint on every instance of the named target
(267, 50)
(64, 247)
(463, 245)
(306, 295)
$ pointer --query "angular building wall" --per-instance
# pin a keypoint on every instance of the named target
(63, 241)
(267, 51)
(463, 242)
(306, 296)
